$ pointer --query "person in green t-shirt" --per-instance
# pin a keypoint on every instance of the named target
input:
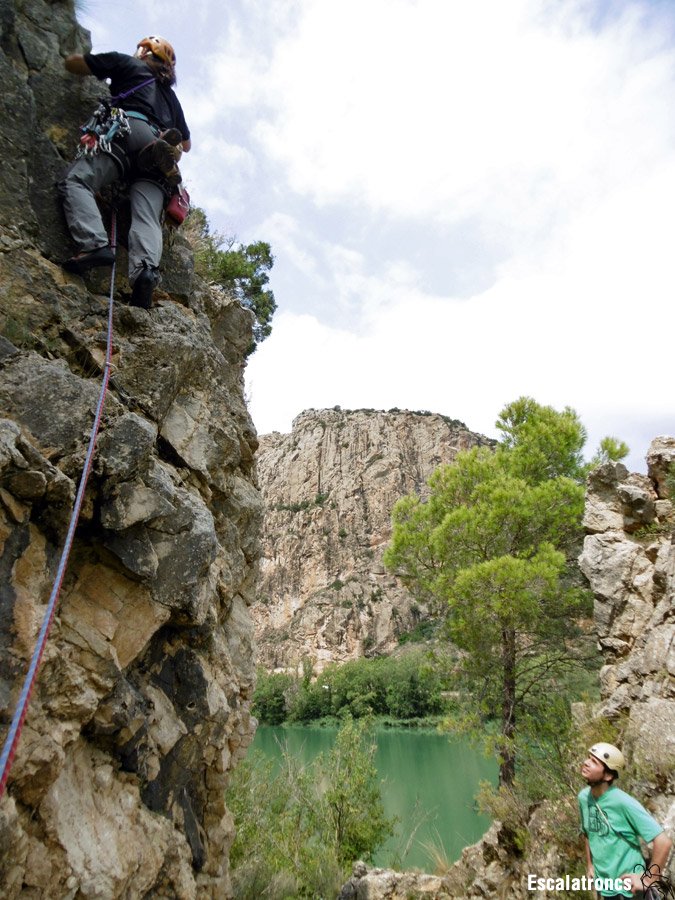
(613, 823)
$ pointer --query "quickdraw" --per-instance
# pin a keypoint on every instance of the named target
(100, 130)
(107, 123)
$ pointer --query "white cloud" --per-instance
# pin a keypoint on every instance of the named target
(559, 322)
(437, 109)
(232, 78)
(296, 247)
(580, 325)
(219, 171)
(527, 145)
(340, 285)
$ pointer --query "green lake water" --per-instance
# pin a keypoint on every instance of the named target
(421, 771)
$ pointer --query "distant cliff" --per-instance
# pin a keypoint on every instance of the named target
(329, 487)
(142, 705)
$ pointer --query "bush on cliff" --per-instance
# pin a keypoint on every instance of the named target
(241, 267)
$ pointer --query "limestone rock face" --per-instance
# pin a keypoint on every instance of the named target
(329, 487)
(142, 705)
(384, 884)
(630, 565)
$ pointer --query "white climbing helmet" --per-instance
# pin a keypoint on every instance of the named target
(608, 754)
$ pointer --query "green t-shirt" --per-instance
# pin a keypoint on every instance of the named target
(615, 854)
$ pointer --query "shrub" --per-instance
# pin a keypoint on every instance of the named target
(278, 851)
(352, 799)
(408, 687)
(270, 699)
(423, 631)
(300, 828)
(242, 268)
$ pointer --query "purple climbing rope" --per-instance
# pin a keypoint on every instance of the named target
(14, 733)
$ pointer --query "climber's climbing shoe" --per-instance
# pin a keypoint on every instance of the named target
(89, 259)
(172, 136)
(141, 293)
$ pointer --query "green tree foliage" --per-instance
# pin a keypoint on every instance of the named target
(300, 828)
(279, 850)
(352, 798)
(611, 450)
(491, 548)
(239, 267)
(670, 481)
(408, 687)
(270, 697)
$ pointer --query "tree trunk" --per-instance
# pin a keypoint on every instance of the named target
(507, 767)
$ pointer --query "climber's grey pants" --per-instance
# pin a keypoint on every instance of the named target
(87, 176)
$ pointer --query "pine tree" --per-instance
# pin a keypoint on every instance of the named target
(491, 550)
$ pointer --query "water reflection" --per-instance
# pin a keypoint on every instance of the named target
(428, 777)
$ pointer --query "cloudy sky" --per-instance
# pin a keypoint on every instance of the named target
(467, 201)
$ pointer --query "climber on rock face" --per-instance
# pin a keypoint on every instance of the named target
(137, 138)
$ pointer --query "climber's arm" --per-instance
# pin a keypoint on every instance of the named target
(75, 63)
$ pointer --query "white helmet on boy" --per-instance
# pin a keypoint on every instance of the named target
(608, 754)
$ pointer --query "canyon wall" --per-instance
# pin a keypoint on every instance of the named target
(329, 488)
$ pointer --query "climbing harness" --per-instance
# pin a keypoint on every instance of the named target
(14, 733)
(107, 122)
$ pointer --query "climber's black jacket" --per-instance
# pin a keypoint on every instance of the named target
(157, 101)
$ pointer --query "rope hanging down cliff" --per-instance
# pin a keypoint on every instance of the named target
(15, 728)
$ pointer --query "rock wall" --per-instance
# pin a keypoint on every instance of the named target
(142, 705)
(329, 487)
(629, 560)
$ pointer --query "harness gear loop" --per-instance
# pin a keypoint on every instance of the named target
(16, 726)
(108, 122)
